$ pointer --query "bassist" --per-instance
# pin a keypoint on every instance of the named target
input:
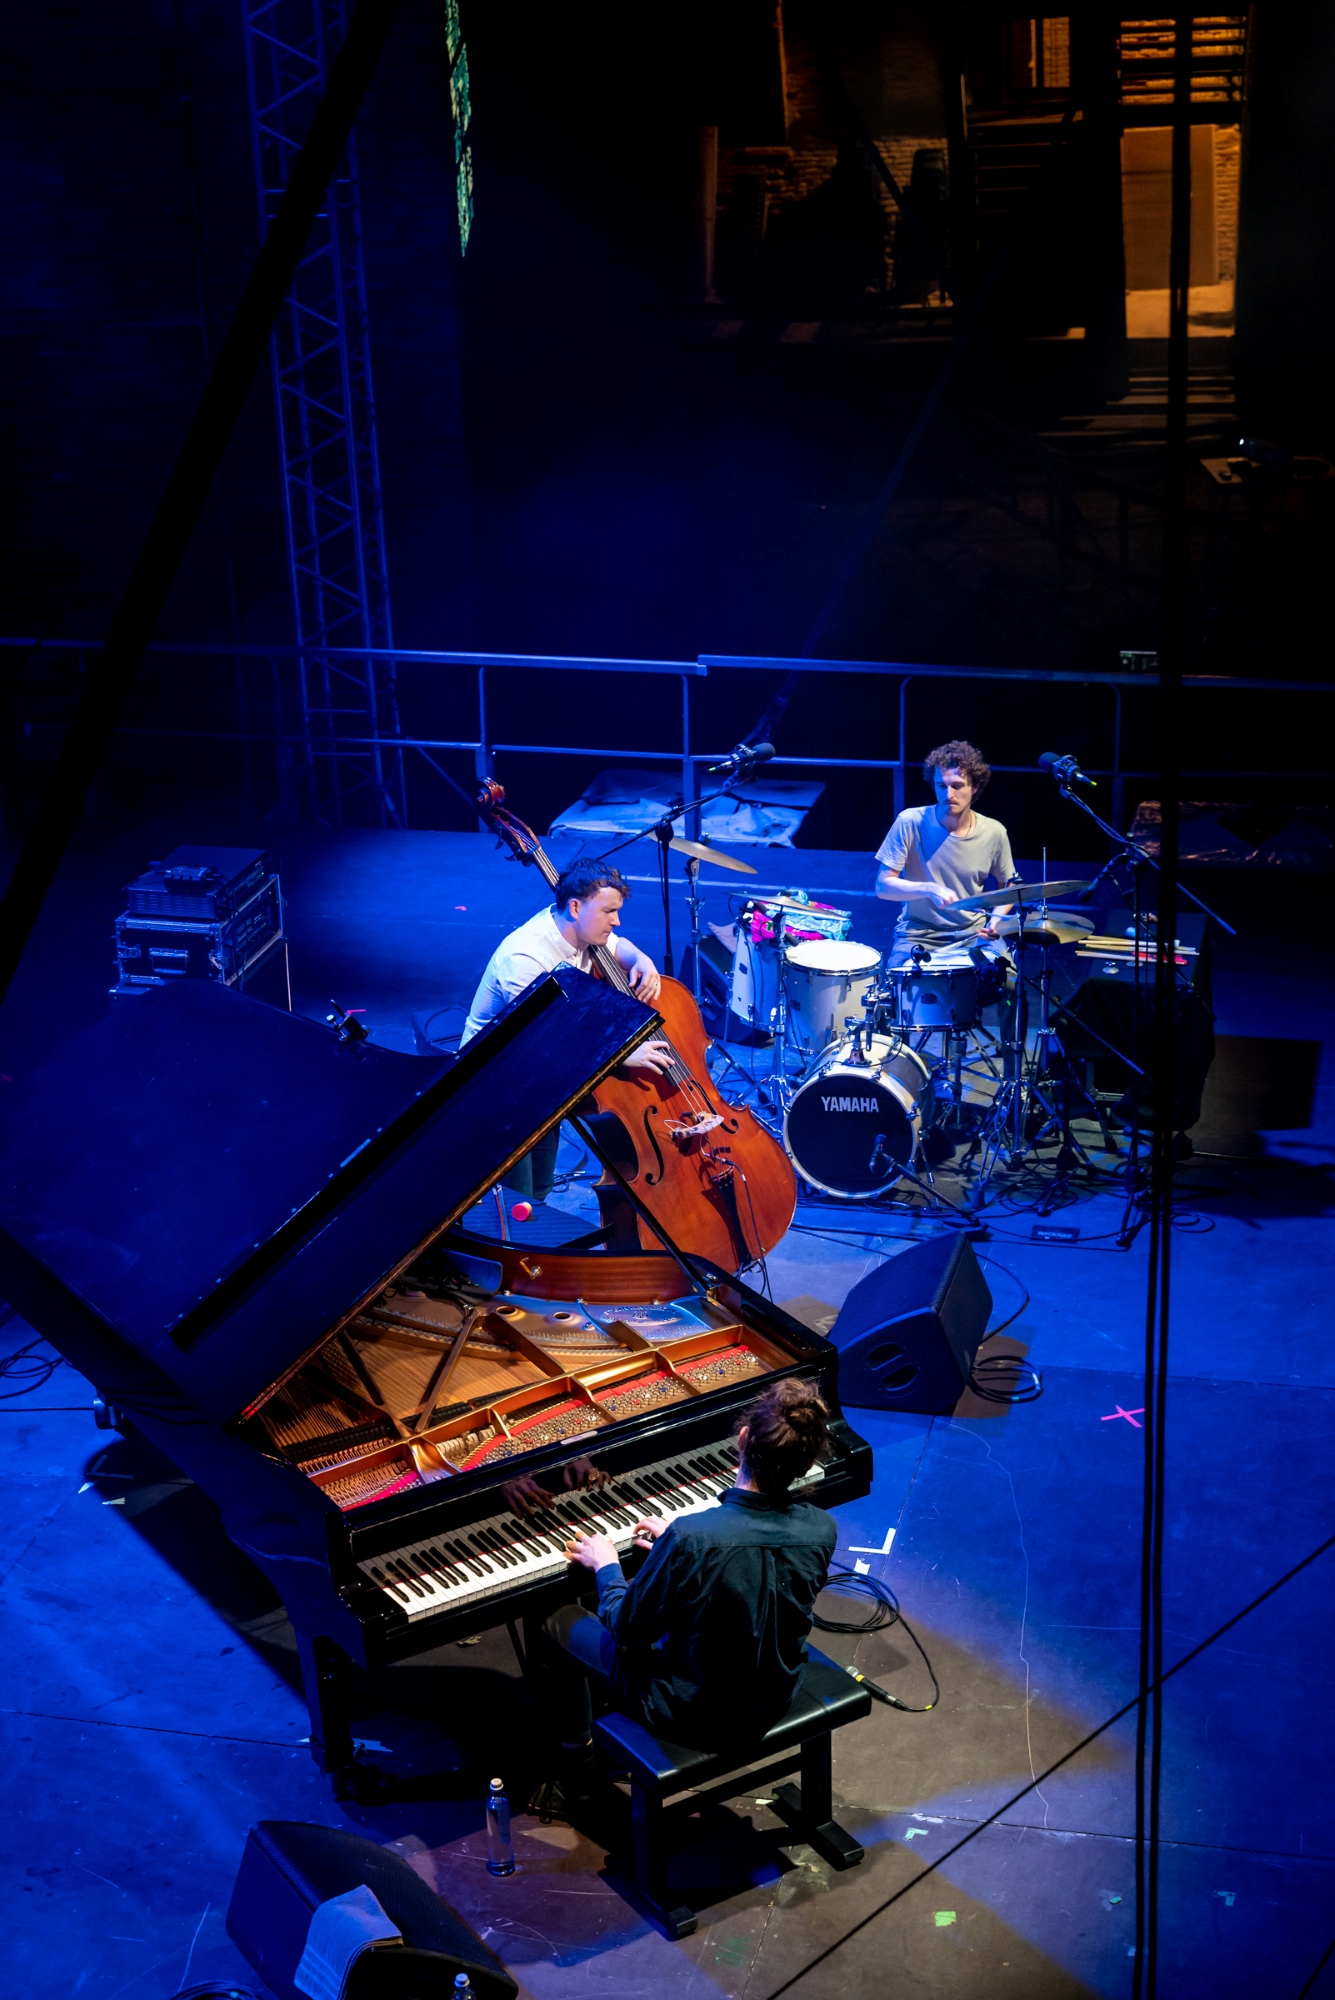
(584, 916)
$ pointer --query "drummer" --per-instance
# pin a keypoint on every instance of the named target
(935, 855)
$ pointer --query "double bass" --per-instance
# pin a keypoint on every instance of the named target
(708, 1171)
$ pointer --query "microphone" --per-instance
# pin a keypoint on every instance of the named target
(1066, 770)
(744, 758)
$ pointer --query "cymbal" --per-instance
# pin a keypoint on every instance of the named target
(703, 852)
(1019, 892)
(1060, 929)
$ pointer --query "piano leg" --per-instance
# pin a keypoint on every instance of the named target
(325, 1675)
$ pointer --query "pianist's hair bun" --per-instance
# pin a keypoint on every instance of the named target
(786, 1431)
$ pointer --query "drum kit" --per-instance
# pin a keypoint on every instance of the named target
(882, 1048)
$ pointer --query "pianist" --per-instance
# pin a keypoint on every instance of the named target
(710, 1637)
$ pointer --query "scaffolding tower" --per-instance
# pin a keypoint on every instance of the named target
(351, 770)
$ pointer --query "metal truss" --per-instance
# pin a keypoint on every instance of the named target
(349, 714)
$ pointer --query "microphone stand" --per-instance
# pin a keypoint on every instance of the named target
(664, 832)
(1127, 848)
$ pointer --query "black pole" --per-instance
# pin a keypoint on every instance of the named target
(190, 483)
(1172, 661)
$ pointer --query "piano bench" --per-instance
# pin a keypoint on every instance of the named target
(289, 1868)
(826, 1699)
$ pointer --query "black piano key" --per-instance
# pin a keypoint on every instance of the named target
(473, 1563)
(495, 1546)
(390, 1583)
(449, 1570)
(524, 1537)
(485, 1556)
(539, 1539)
(655, 1483)
(400, 1569)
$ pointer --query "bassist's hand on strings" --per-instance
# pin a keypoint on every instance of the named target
(645, 979)
(651, 1056)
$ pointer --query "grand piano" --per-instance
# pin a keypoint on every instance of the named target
(250, 1235)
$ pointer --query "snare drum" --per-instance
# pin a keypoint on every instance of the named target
(827, 981)
(855, 1124)
(940, 994)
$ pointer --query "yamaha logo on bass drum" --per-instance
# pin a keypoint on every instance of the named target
(850, 1104)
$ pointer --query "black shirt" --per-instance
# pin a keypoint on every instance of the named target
(711, 1635)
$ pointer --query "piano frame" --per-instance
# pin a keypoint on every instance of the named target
(113, 1154)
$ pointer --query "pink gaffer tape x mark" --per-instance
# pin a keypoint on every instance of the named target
(1130, 1416)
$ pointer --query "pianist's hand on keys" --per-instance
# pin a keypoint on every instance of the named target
(495, 1555)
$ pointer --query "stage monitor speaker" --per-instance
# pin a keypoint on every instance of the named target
(290, 1867)
(909, 1331)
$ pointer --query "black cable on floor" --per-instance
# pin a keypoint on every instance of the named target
(989, 1379)
(884, 1611)
(32, 1371)
(215, 1989)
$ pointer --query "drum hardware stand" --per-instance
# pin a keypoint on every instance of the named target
(779, 1088)
(695, 903)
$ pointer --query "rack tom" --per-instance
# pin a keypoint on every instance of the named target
(828, 979)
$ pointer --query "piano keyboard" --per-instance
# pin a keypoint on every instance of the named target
(501, 1551)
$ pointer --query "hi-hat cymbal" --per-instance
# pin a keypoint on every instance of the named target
(1019, 892)
(1060, 929)
(703, 852)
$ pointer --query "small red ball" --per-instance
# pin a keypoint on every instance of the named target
(522, 1211)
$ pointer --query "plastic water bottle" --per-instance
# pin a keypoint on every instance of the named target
(501, 1855)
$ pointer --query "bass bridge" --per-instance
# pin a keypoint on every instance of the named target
(682, 1131)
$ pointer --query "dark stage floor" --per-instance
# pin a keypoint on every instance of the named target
(152, 1711)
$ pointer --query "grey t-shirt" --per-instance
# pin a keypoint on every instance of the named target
(921, 849)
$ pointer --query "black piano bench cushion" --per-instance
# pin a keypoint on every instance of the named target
(290, 1867)
(826, 1699)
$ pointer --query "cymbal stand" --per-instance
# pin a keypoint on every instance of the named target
(779, 1089)
(695, 902)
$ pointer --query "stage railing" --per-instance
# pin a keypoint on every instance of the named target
(292, 745)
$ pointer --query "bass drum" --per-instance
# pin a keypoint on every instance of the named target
(856, 1122)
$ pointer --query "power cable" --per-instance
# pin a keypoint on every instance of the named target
(216, 1989)
(30, 1370)
(884, 1612)
(1137, 1699)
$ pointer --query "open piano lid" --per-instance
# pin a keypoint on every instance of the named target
(221, 1183)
